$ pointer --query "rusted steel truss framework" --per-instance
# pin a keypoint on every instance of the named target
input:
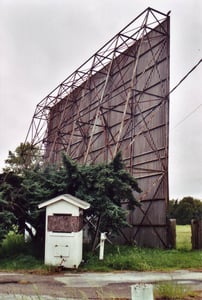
(118, 100)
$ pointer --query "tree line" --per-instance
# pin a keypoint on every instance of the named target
(185, 210)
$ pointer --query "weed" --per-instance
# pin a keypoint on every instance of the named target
(172, 290)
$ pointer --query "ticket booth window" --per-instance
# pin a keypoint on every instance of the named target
(65, 223)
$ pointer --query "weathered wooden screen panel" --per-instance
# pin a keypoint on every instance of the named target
(121, 103)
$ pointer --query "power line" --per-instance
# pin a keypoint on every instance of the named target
(185, 76)
(173, 89)
(187, 116)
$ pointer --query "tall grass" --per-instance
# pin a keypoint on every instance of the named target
(172, 290)
(13, 244)
(142, 259)
(183, 237)
(15, 254)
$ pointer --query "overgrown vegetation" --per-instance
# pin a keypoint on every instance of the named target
(141, 259)
(172, 291)
(104, 186)
(16, 254)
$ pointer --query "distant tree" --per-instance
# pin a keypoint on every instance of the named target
(185, 210)
(198, 209)
(173, 204)
(24, 157)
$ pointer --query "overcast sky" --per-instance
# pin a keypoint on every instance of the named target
(43, 41)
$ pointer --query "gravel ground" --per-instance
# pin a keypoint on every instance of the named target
(32, 286)
(59, 286)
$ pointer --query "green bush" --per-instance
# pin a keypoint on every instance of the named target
(16, 254)
(12, 245)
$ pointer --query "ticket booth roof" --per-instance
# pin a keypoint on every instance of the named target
(69, 199)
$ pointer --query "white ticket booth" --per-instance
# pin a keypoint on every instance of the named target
(64, 230)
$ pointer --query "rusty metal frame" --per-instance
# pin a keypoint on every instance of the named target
(114, 102)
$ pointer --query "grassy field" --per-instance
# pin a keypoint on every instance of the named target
(138, 259)
(183, 237)
(17, 256)
(141, 259)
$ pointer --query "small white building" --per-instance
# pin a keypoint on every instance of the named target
(64, 233)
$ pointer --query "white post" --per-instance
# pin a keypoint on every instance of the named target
(142, 292)
(102, 245)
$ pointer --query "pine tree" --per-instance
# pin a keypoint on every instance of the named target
(105, 186)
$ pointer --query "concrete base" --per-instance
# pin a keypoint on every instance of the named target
(142, 292)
